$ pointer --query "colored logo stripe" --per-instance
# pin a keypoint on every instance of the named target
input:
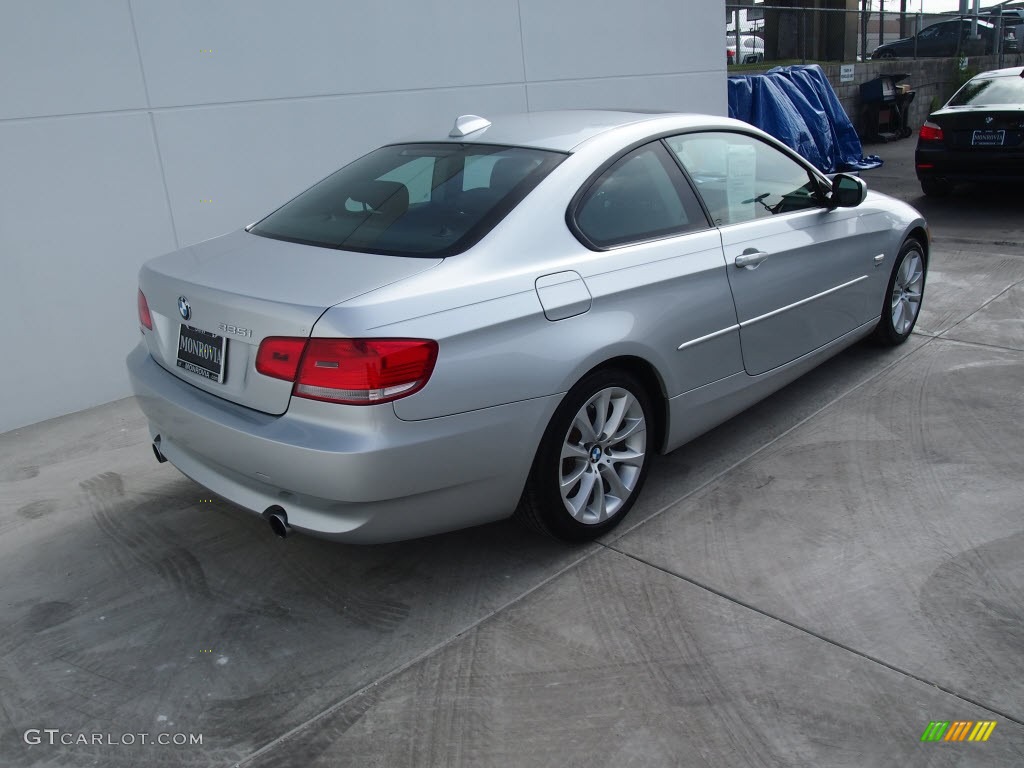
(982, 730)
(958, 730)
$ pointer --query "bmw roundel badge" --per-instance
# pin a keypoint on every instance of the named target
(184, 308)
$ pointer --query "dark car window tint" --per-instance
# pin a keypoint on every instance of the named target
(412, 199)
(639, 198)
(741, 178)
(417, 175)
(990, 92)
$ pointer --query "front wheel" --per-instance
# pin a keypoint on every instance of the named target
(592, 461)
(903, 295)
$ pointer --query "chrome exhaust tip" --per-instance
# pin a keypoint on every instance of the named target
(156, 450)
(278, 520)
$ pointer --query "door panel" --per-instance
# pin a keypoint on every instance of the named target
(798, 271)
(811, 288)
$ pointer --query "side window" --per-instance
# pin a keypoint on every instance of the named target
(740, 178)
(929, 33)
(641, 197)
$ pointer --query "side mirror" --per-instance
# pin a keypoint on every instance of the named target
(848, 191)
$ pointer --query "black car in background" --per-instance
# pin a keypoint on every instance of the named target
(947, 38)
(977, 136)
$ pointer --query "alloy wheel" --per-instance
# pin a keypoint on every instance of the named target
(602, 455)
(906, 292)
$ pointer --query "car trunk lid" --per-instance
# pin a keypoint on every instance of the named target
(982, 128)
(214, 302)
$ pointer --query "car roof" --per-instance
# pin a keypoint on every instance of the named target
(964, 20)
(1006, 72)
(561, 130)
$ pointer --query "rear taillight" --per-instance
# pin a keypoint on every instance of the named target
(351, 371)
(144, 317)
(279, 357)
(931, 132)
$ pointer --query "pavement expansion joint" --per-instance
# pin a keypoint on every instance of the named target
(816, 635)
(943, 333)
(983, 345)
(328, 711)
(617, 535)
(1016, 248)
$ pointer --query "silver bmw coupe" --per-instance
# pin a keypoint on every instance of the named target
(510, 319)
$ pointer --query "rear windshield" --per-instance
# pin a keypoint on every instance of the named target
(412, 199)
(990, 91)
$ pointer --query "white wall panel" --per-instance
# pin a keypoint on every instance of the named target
(574, 39)
(247, 159)
(60, 57)
(81, 207)
(120, 119)
(703, 92)
(264, 49)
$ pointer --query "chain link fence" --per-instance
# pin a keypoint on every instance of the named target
(764, 35)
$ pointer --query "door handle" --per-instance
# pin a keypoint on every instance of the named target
(750, 258)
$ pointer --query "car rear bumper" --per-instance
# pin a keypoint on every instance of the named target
(352, 473)
(967, 165)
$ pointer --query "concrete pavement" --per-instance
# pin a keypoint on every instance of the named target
(808, 585)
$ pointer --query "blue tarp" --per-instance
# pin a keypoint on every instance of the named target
(797, 106)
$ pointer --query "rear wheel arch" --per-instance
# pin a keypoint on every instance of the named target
(584, 479)
(653, 384)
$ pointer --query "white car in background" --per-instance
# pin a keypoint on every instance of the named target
(751, 49)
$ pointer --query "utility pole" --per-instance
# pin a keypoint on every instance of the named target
(864, 11)
(881, 22)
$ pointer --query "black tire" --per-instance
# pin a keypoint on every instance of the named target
(886, 332)
(542, 507)
(936, 187)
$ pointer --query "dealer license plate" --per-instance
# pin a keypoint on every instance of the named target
(201, 352)
(988, 138)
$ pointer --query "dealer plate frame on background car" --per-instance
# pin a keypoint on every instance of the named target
(988, 138)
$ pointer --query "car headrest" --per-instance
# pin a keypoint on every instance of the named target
(509, 171)
(389, 197)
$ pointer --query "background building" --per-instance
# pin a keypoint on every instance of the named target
(129, 128)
